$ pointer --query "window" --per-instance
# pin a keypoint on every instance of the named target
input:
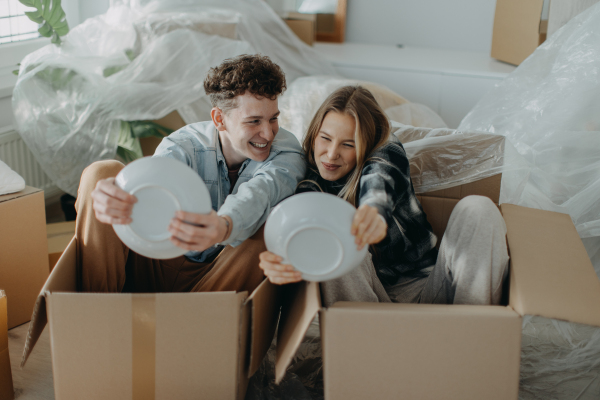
(14, 24)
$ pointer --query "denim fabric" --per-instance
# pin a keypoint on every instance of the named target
(260, 186)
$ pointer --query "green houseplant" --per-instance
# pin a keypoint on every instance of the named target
(51, 17)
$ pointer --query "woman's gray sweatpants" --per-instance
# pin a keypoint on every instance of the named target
(471, 266)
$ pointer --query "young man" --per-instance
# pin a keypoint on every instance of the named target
(248, 164)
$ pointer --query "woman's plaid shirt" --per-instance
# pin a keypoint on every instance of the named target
(386, 185)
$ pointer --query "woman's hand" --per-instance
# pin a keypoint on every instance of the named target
(279, 274)
(368, 226)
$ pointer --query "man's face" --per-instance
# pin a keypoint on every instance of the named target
(248, 130)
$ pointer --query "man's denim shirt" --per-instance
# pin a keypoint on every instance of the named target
(260, 186)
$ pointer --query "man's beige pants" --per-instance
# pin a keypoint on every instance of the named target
(105, 264)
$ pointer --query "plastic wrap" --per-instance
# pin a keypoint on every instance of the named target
(548, 347)
(141, 60)
(548, 109)
(305, 95)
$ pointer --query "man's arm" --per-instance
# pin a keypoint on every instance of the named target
(271, 183)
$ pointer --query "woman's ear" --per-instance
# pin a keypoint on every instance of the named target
(218, 117)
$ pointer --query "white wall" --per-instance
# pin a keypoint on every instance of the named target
(445, 24)
(91, 8)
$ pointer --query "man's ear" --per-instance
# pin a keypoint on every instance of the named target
(218, 118)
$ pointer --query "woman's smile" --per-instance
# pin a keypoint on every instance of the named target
(335, 142)
(330, 167)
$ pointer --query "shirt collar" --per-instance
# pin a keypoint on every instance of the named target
(220, 157)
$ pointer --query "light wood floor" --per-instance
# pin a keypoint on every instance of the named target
(34, 381)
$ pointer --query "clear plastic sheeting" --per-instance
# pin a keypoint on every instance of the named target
(416, 115)
(444, 158)
(548, 347)
(139, 61)
(548, 108)
(304, 96)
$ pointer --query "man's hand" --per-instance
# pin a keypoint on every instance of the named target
(368, 226)
(111, 204)
(279, 274)
(198, 232)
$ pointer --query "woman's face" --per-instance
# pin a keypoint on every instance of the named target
(335, 150)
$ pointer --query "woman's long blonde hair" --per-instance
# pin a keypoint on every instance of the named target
(372, 130)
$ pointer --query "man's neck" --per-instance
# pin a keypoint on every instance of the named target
(233, 160)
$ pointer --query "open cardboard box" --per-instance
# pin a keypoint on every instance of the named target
(151, 346)
(423, 351)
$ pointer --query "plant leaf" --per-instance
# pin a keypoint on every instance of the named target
(45, 30)
(50, 16)
(55, 38)
(142, 129)
(35, 16)
(129, 147)
(56, 13)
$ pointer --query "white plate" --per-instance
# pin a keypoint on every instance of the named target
(311, 231)
(162, 187)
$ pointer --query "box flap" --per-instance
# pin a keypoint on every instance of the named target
(25, 192)
(516, 29)
(551, 273)
(301, 302)
(6, 383)
(244, 352)
(393, 351)
(62, 278)
(265, 305)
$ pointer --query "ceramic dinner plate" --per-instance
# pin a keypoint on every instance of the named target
(311, 231)
(162, 187)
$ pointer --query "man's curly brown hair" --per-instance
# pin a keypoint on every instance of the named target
(255, 74)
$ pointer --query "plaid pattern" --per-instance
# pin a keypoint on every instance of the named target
(386, 185)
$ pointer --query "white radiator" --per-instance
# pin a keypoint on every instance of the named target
(17, 156)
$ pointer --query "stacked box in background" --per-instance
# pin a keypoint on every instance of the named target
(6, 383)
(23, 251)
(518, 29)
(303, 25)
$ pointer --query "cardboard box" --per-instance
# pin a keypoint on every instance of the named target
(6, 383)
(422, 351)
(518, 29)
(23, 251)
(304, 26)
(59, 236)
(151, 346)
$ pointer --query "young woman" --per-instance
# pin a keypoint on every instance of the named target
(351, 154)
